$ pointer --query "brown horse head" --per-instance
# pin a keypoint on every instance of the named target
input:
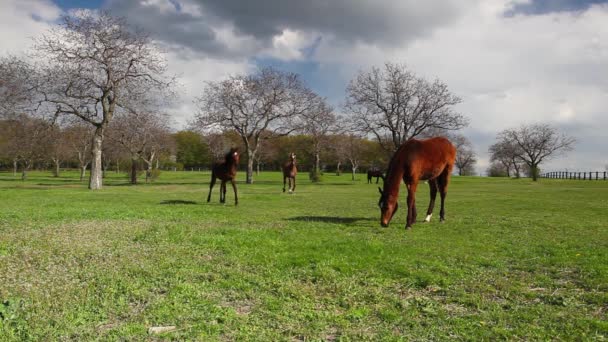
(233, 155)
(387, 208)
(292, 157)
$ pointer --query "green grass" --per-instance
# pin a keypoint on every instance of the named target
(514, 260)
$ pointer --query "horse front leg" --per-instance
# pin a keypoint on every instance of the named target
(433, 188)
(284, 181)
(211, 188)
(294, 185)
(236, 196)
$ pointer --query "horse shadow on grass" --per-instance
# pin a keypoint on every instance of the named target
(330, 219)
(174, 202)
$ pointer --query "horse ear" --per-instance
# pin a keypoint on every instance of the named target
(380, 190)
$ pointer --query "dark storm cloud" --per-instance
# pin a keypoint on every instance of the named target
(369, 21)
(172, 27)
(389, 22)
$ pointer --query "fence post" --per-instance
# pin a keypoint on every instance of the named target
(604, 175)
(596, 175)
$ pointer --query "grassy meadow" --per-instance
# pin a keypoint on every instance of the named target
(514, 260)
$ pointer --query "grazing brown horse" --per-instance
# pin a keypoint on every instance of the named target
(416, 160)
(225, 171)
(371, 173)
(289, 172)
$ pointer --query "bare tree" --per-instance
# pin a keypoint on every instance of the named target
(537, 143)
(266, 152)
(17, 84)
(497, 169)
(507, 153)
(352, 148)
(26, 141)
(58, 147)
(143, 135)
(92, 63)
(395, 105)
(79, 137)
(266, 101)
(465, 156)
(318, 122)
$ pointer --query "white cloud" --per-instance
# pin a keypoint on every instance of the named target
(21, 20)
(509, 70)
(194, 69)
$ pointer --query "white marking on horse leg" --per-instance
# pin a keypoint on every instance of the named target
(428, 218)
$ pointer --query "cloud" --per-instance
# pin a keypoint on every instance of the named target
(21, 20)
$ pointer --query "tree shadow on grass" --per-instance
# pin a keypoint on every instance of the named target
(177, 202)
(330, 219)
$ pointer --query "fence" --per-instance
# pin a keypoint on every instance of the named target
(594, 175)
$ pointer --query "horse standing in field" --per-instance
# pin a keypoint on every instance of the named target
(371, 173)
(289, 172)
(225, 171)
(416, 160)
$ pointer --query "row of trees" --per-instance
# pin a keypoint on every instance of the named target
(95, 71)
(29, 141)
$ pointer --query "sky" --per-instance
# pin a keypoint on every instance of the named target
(512, 62)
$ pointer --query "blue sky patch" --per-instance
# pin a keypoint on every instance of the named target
(537, 7)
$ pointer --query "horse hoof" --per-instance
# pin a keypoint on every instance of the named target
(428, 218)
(408, 228)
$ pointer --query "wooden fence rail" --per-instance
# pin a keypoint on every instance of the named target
(593, 175)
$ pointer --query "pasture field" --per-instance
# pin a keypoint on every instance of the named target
(514, 260)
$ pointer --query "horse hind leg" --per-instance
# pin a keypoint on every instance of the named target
(444, 179)
(284, 181)
(211, 187)
(223, 192)
(433, 188)
(294, 185)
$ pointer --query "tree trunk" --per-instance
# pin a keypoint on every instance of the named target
(14, 167)
(26, 167)
(117, 166)
(83, 171)
(148, 170)
(96, 180)
(257, 168)
(133, 171)
(250, 160)
(56, 170)
(316, 172)
(338, 171)
(354, 168)
(249, 170)
(534, 171)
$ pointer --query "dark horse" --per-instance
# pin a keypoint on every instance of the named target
(371, 173)
(289, 172)
(225, 171)
(416, 160)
